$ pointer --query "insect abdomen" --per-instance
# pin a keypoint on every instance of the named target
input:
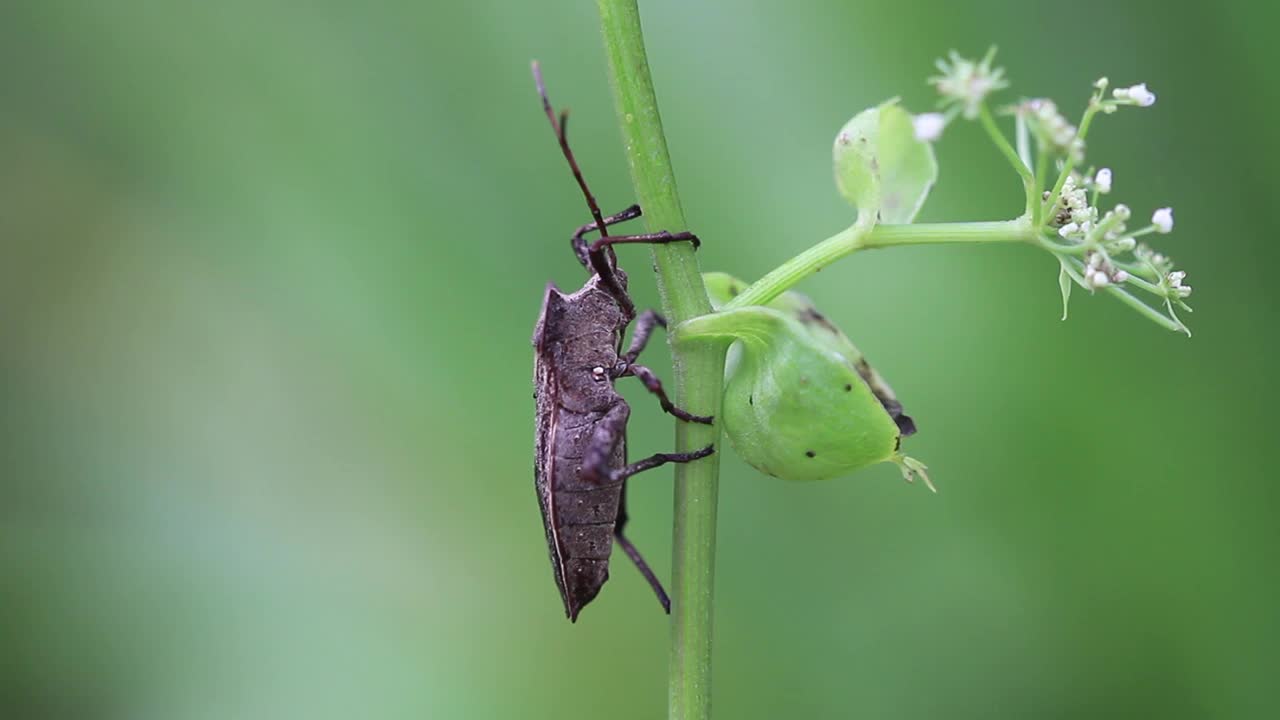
(585, 519)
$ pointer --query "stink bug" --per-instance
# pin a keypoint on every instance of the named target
(580, 446)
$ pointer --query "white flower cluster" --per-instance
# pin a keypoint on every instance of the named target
(1095, 249)
(1052, 129)
(1159, 264)
(1099, 272)
(965, 84)
(1168, 283)
(1104, 240)
(1100, 250)
(1074, 214)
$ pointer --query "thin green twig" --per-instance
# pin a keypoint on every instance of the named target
(859, 237)
(1024, 173)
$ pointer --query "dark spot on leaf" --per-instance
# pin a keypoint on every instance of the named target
(751, 399)
(734, 290)
(882, 392)
(848, 387)
(810, 453)
(811, 316)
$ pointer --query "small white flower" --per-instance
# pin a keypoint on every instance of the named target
(1120, 276)
(1141, 95)
(929, 126)
(1102, 180)
(1068, 229)
(966, 83)
(1163, 220)
(1175, 282)
(1124, 244)
(1051, 128)
(1100, 83)
(1138, 94)
(1099, 279)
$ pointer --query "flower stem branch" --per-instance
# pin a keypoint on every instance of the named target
(1029, 187)
(857, 237)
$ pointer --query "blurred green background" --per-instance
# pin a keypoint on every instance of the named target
(268, 273)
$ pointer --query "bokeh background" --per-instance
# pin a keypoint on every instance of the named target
(268, 272)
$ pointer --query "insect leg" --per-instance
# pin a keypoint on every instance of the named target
(645, 324)
(579, 241)
(657, 238)
(608, 432)
(634, 554)
(654, 385)
(658, 460)
(647, 321)
(601, 260)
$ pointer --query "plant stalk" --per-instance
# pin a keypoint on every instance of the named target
(857, 237)
(698, 371)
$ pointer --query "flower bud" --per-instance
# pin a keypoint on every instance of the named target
(1137, 94)
(928, 126)
(1102, 180)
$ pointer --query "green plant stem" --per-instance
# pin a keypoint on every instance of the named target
(1148, 312)
(1042, 176)
(698, 371)
(1029, 187)
(857, 237)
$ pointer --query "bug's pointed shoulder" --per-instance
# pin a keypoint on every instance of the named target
(553, 301)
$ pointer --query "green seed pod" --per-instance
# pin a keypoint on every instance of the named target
(801, 402)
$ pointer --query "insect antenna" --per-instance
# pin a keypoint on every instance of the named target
(561, 128)
(603, 262)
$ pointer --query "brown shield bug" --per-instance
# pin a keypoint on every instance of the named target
(580, 461)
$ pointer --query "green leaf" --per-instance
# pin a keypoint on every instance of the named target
(908, 168)
(857, 171)
(880, 166)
